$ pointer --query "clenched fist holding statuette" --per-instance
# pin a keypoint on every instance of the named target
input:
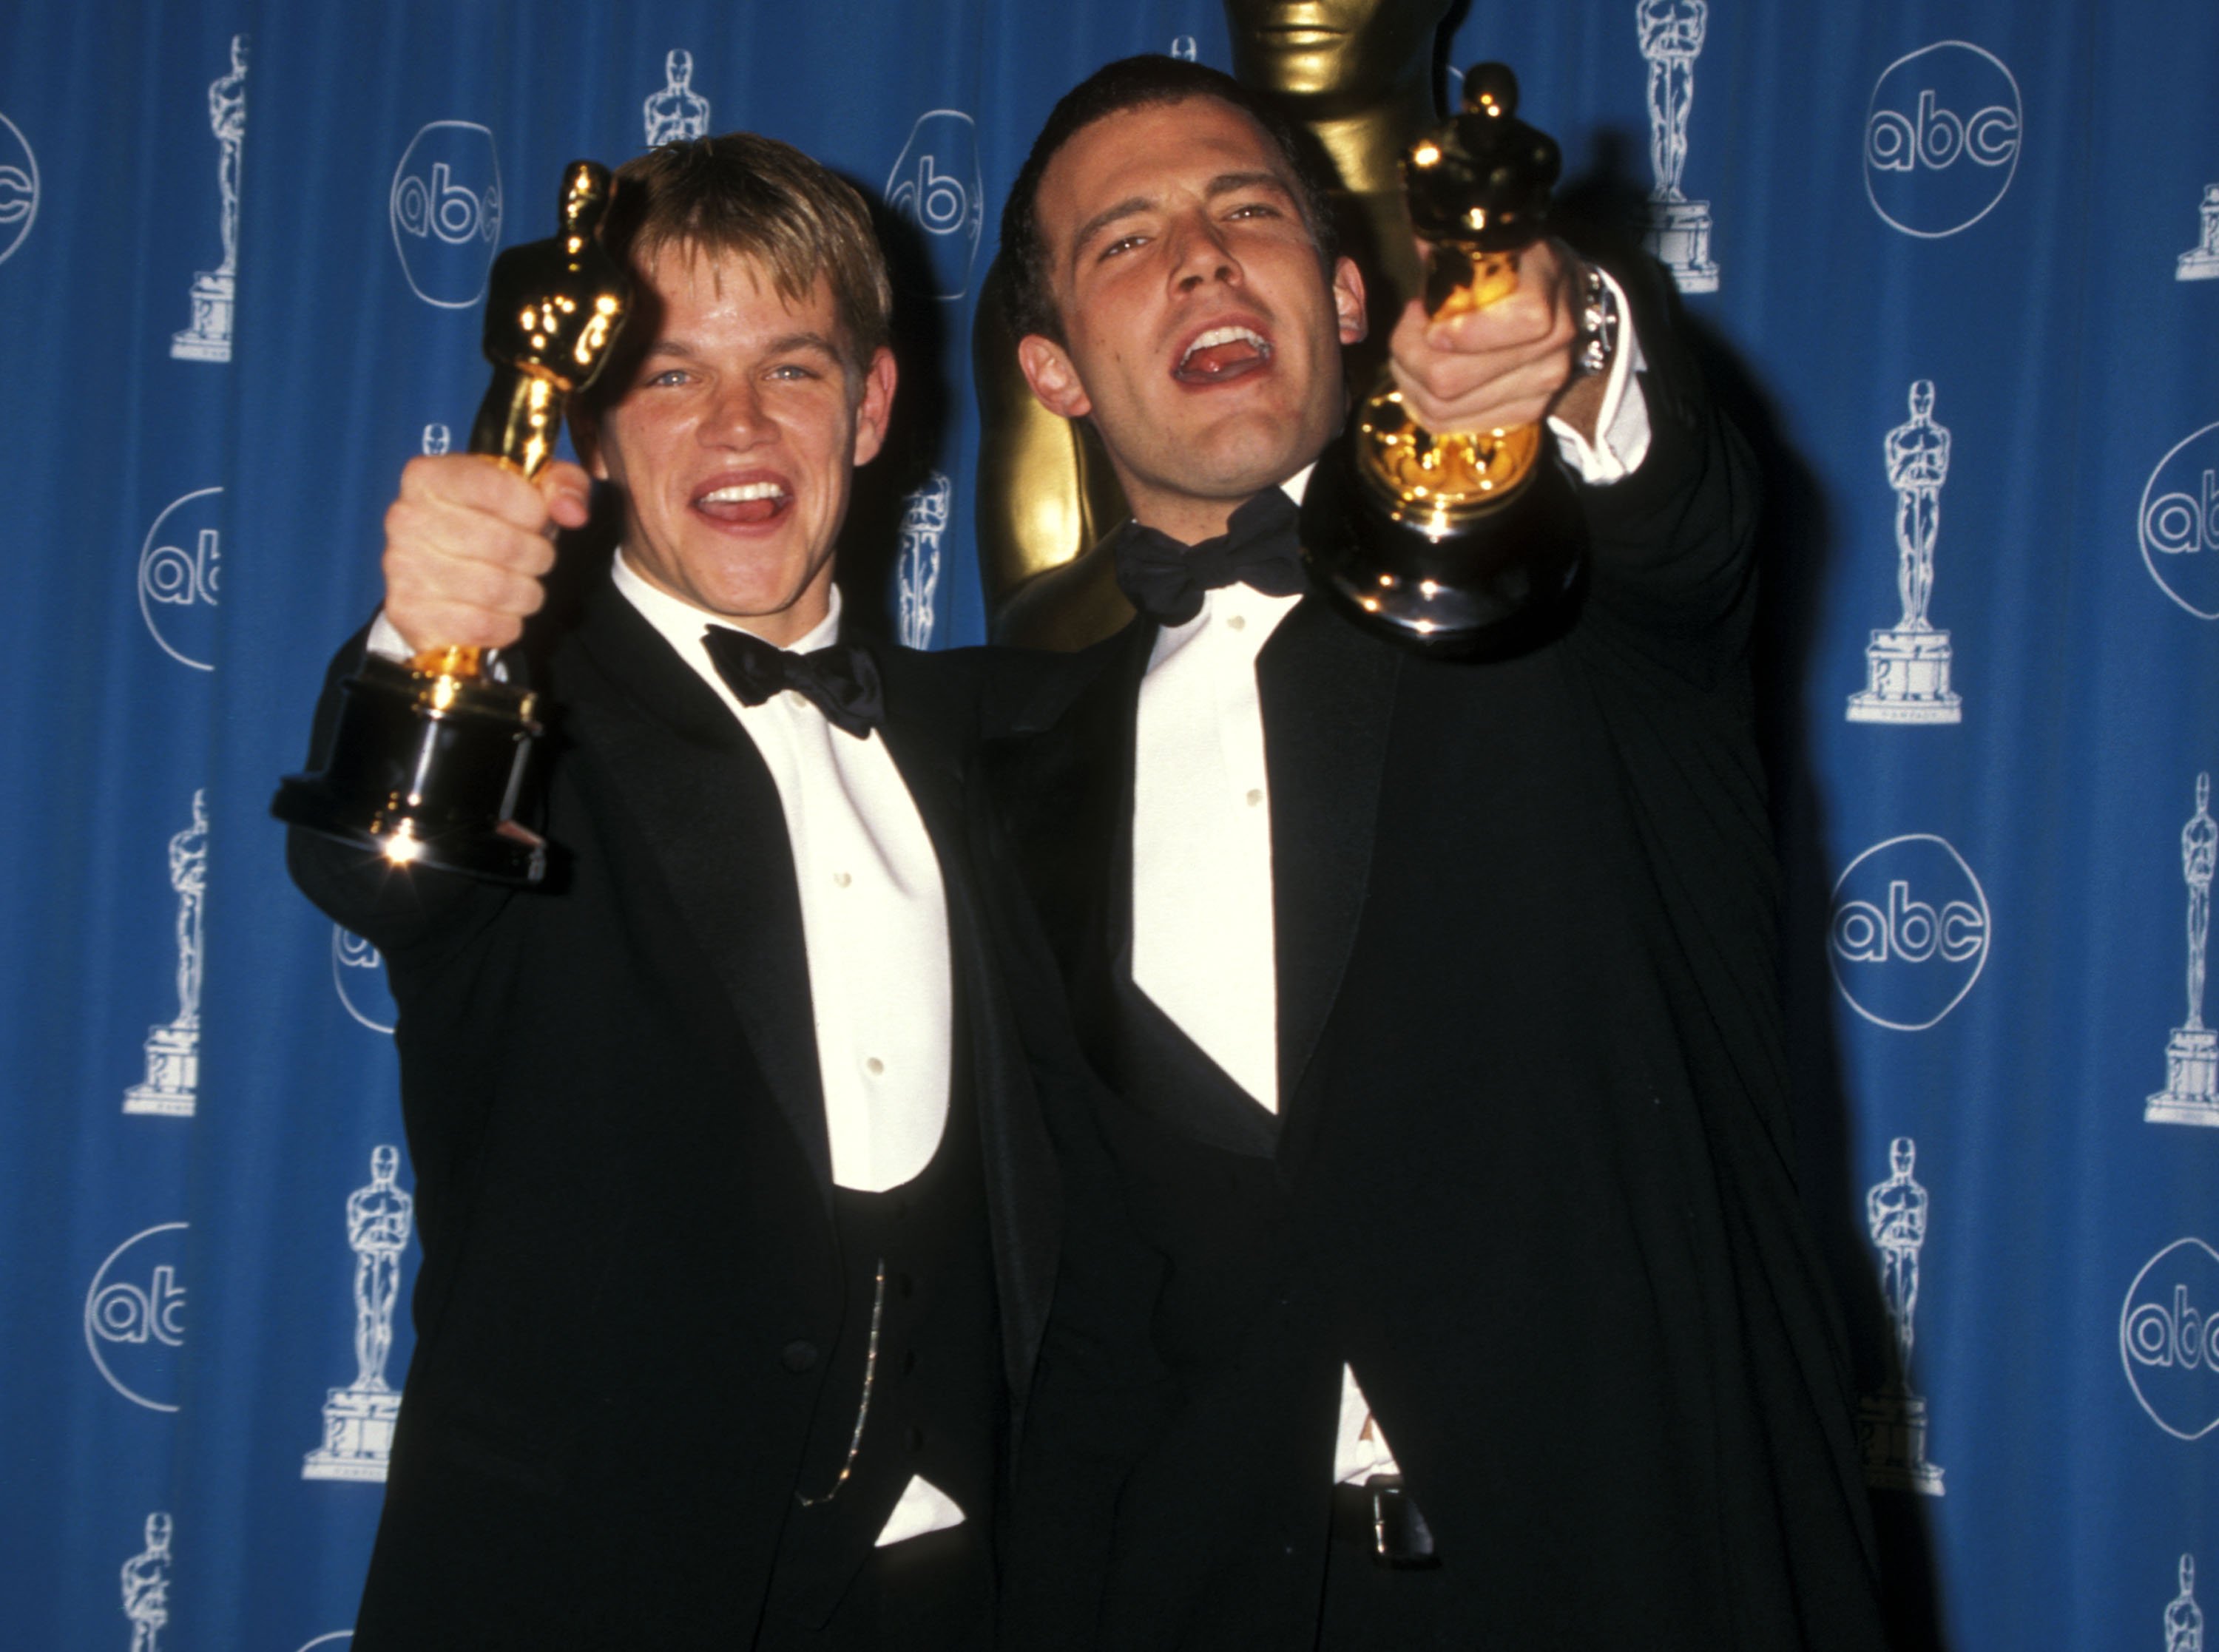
(1456, 544)
(427, 757)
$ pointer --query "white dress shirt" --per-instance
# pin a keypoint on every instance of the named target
(1203, 927)
(874, 927)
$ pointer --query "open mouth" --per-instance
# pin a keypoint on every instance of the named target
(745, 504)
(1221, 355)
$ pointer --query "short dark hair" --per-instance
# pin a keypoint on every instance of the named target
(760, 199)
(1134, 83)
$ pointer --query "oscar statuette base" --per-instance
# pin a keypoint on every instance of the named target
(425, 770)
(1486, 588)
(209, 339)
(1679, 238)
(2190, 1094)
(1891, 1430)
(1907, 681)
(173, 1072)
(357, 1435)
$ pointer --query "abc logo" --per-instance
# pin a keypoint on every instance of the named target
(935, 185)
(1910, 932)
(358, 972)
(1942, 139)
(2169, 1338)
(19, 187)
(180, 569)
(446, 211)
(134, 1316)
(2179, 524)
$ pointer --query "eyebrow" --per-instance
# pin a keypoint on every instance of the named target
(1223, 184)
(784, 344)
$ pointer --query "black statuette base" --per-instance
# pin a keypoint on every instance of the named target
(424, 770)
(1485, 589)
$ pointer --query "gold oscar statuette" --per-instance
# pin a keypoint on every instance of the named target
(1458, 544)
(428, 756)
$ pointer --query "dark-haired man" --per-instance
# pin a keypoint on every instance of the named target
(1461, 1297)
(724, 1139)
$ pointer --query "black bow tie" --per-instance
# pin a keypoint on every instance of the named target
(841, 681)
(1165, 579)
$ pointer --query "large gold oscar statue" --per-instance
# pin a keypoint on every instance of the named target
(1359, 74)
(428, 756)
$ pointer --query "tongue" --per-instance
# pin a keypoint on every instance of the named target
(1218, 361)
(743, 511)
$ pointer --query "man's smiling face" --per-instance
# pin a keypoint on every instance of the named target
(735, 440)
(1201, 333)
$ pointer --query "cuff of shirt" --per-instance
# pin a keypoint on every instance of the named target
(386, 641)
(923, 1507)
(1356, 1459)
(1621, 440)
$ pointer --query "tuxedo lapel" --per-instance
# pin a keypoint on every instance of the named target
(1327, 693)
(709, 808)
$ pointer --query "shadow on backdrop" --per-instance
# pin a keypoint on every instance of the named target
(1603, 211)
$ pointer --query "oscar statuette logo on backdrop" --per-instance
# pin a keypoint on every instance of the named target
(2178, 524)
(359, 1419)
(19, 187)
(677, 114)
(2201, 261)
(1942, 139)
(134, 1316)
(1907, 668)
(1679, 230)
(2169, 1338)
(936, 186)
(145, 1581)
(209, 339)
(1892, 1424)
(446, 206)
(924, 522)
(173, 1047)
(2184, 1618)
(2190, 1094)
(1910, 932)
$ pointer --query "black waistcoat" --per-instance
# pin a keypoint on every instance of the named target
(916, 1364)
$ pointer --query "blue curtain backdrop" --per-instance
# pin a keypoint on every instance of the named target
(1958, 263)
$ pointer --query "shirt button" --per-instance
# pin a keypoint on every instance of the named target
(875, 1066)
(796, 698)
(1238, 622)
(841, 880)
(1255, 795)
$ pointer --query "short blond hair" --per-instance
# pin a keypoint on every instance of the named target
(755, 197)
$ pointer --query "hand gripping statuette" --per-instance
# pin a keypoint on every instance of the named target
(428, 756)
(1459, 545)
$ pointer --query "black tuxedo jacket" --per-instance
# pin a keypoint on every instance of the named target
(630, 1285)
(1532, 1178)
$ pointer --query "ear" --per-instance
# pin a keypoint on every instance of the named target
(1348, 300)
(1054, 380)
(875, 406)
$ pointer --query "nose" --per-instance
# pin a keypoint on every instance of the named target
(735, 417)
(1200, 252)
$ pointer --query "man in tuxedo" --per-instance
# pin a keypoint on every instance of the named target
(732, 1176)
(1443, 1282)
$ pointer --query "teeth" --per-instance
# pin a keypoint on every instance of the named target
(743, 492)
(1226, 336)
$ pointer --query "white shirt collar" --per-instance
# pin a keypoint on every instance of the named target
(681, 624)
